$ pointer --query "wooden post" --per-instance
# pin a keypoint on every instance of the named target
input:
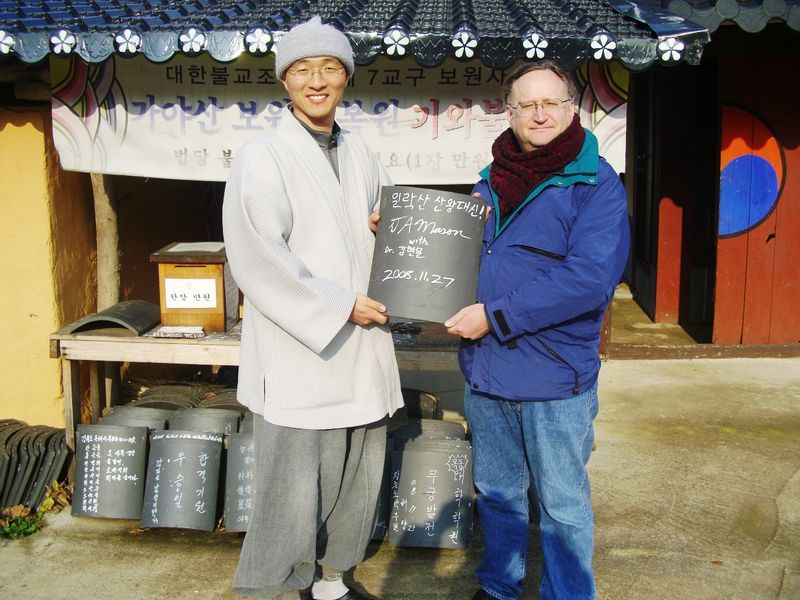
(97, 391)
(107, 238)
(108, 267)
(70, 377)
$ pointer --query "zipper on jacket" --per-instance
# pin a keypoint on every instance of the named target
(576, 388)
(546, 253)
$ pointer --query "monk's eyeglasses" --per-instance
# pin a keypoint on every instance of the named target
(328, 73)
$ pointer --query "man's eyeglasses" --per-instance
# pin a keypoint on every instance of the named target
(328, 73)
(551, 106)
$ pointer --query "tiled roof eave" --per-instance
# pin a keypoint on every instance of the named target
(749, 16)
(495, 32)
(426, 49)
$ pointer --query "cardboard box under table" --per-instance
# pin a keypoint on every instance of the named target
(195, 286)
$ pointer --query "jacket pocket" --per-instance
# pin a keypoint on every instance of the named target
(576, 387)
(528, 260)
(542, 252)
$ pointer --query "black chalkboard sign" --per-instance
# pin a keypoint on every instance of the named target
(109, 471)
(182, 480)
(427, 252)
(432, 494)
(240, 486)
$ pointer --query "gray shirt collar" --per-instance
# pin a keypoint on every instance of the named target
(326, 141)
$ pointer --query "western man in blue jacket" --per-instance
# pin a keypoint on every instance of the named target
(554, 248)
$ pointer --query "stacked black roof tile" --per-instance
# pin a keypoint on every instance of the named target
(31, 458)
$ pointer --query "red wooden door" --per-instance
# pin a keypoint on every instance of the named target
(758, 271)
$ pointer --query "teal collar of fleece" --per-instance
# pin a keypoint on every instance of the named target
(581, 170)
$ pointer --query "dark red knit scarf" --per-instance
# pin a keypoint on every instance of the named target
(515, 173)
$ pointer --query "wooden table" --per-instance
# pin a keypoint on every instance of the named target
(105, 349)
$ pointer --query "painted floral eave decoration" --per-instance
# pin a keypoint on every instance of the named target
(396, 42)
(6, 42)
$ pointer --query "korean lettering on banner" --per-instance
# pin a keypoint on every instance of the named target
(186, 119)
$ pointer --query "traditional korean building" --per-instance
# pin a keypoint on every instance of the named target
(713, 173)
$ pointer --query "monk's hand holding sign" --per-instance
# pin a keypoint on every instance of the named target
(374, 219)
(367, 311)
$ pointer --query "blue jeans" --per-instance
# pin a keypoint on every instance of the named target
(549, 441)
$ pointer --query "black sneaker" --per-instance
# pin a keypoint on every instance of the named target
(482, 595)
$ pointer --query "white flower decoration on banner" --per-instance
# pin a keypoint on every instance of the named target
(128, 41)
(670, 49)
(6, 42)
(464, 42)
(192, 40)
(535, 45)
(396, 41)
(603, 46)
(63, 41)
(257, 40)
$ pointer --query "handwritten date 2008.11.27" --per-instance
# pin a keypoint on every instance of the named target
(411, 274)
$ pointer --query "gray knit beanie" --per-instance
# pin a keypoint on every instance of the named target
(312, 38)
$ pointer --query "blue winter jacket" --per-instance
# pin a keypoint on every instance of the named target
(547, 274)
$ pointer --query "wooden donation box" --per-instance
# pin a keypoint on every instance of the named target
(195, 286)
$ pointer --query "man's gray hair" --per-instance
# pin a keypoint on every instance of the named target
(567, 77)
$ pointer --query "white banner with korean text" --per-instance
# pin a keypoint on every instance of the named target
(185, 119)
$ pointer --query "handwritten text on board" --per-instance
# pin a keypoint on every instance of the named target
(426, 252)
(109, 471)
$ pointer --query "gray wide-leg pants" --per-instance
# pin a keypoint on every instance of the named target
(315, 500)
